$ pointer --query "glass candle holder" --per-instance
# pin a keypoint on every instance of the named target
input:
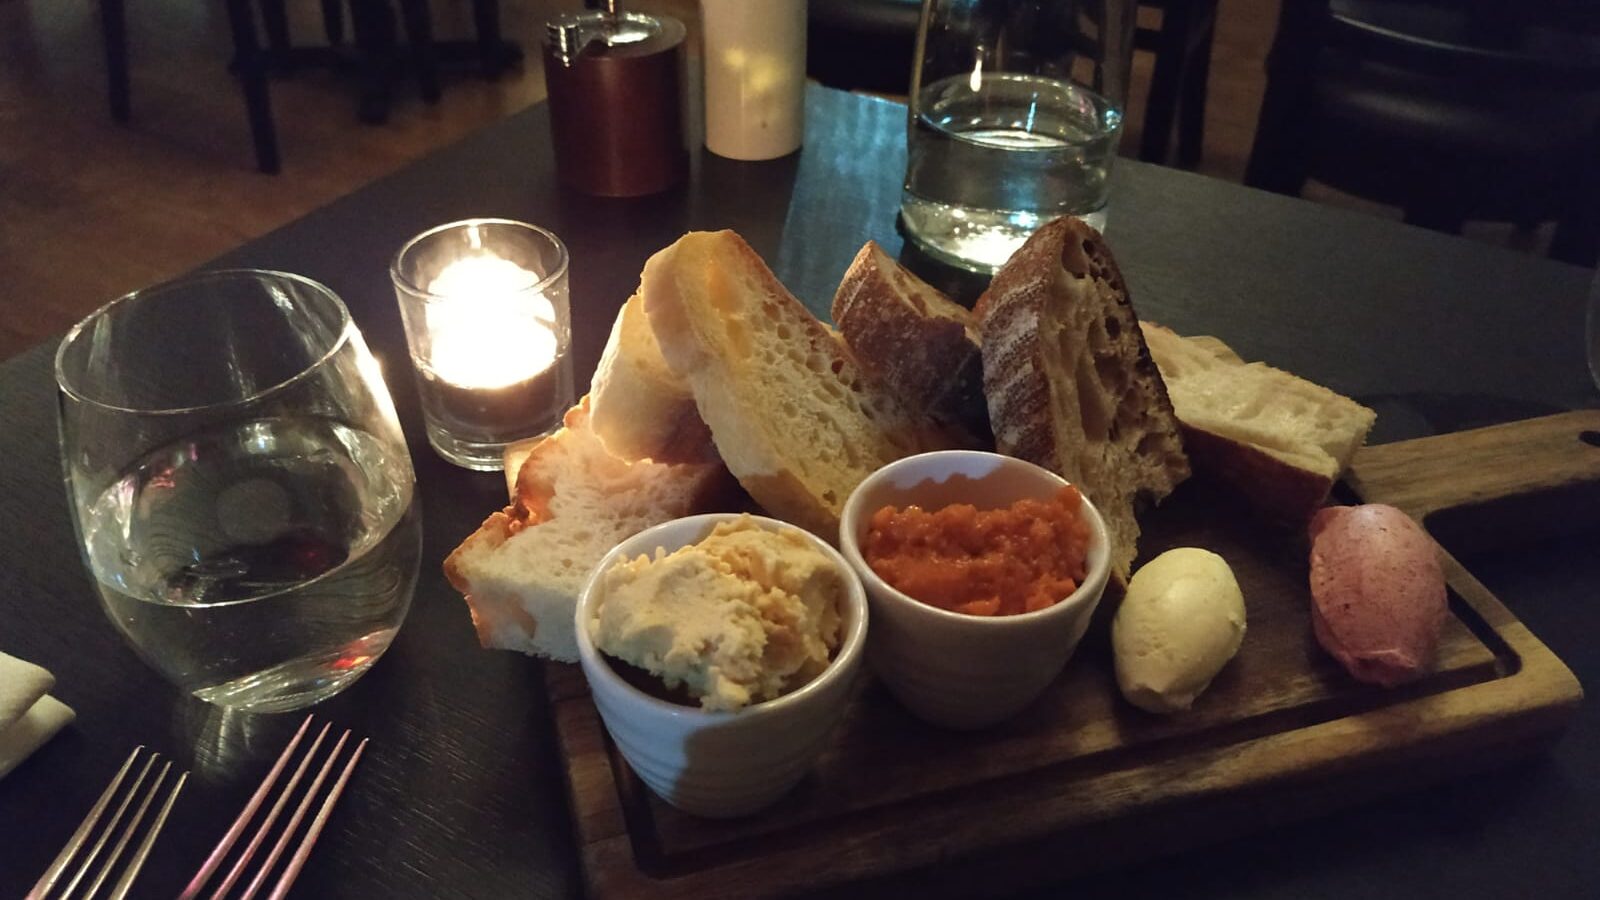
(485, 307)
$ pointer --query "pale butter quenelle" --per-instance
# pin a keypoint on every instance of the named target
(1180, 622)
(744, 615)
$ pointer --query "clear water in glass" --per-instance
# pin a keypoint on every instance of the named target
(263, 565)
(988, 166)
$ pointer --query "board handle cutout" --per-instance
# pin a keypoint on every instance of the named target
(1492, 487)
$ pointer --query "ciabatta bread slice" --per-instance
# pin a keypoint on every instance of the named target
(791, 412)
(521, 571)
(1280, 440)
(637, 407)
(916, 342)
(1070, 382)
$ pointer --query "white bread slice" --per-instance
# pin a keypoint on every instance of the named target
(521, 571)
(637, 405)
(791, 413)
(1280, 440)
(912, 339)
(1070, 382)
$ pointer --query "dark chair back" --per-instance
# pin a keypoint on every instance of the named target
(1450, 109)
(1555, 43)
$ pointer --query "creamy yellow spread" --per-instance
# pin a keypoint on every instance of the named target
(743, 616)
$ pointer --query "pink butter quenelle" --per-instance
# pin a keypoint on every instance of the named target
(1377, 592)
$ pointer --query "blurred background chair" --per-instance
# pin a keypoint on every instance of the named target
(373, 55)
(862, 45)
(1182, 48)
(249, 65)
(1452, 110)
(867, 45)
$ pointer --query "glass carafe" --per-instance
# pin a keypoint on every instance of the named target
(1015, 115)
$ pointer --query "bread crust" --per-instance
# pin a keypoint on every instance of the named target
(913, 340)
(1284, 495)
(789, 409)
(1062, 295)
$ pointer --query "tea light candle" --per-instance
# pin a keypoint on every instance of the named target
(483, 334)
(488, 335)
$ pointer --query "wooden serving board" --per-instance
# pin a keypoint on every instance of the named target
(1083, 780)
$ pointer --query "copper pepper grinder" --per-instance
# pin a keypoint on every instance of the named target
(616, 101)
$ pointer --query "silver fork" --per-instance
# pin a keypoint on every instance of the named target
(138, 792)
(292, 869)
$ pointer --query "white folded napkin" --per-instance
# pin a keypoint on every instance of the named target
(28, 717)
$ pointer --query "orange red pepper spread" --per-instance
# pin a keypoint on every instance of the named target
(997, 562)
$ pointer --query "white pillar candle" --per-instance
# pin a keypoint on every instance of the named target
(755, 65)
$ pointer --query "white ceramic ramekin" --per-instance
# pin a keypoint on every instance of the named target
(720, 764)
(952, 669)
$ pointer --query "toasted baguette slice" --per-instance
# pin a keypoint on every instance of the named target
(791, 413)
(913, 340)
(521, 571)
(1070, 382)
(638, 406)
(1280, 440)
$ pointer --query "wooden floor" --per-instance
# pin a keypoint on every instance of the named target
(90, 210)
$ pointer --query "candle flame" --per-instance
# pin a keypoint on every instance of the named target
(489, 328)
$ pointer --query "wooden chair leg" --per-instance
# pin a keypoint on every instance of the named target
(253, 77)
(114, 28)
(419, 34)
(374, 35)
(1280, 156)
(333, 21)
(1166, 84)
(486, 21)
(1192, 107)
(275, 18)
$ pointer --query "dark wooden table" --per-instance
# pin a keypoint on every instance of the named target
(460, 794)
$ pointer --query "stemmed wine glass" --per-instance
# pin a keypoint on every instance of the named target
(241, 490)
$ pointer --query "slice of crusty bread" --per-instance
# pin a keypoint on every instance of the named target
(1280, 440)
(637, 405)
(521, 571)
(1070, 382)
(912, 339)
(791, 413)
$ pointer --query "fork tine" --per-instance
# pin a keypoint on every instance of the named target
(137, 862)
(292, 871)
(111, 826)
(272, 816)
(64, 858)
(237, 828)
(128, 830)
(294, 820)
